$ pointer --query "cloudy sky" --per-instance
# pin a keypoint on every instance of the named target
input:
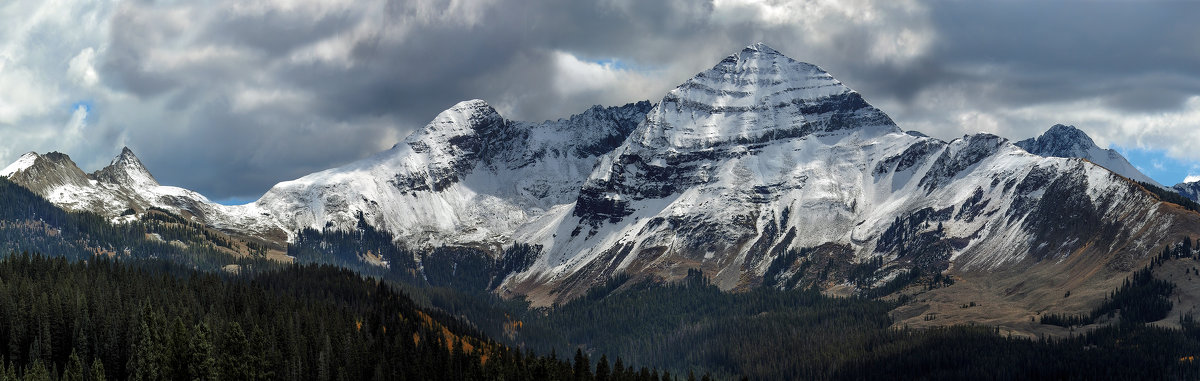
(230, 97)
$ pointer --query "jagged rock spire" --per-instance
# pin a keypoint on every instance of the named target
(126, 169)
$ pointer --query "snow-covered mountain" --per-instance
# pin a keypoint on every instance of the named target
(760, 170)
(469, 177)
(1190, 190)
(126, 185)
(1068, 141)
(768, 170)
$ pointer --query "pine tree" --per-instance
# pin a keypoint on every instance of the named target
(583, 367)
(6, 371)
(602, 369)
(618, 371)
(98, 370)
(200, 364)
(74, 369)
(180, 351)
(37, 372)
(144, 363)
(235, 354)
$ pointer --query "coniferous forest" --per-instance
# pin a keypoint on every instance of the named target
(152, 320)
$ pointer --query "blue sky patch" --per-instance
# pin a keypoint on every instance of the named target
(86, 104)
(612, 63)
(1160, 167)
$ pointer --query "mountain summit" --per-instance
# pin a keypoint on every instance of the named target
(764, 170)
(754, 95)
(1190, 190)
(126, 169)
(750, 100)
(1068, 141)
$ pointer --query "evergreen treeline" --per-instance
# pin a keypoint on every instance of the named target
(1122, 352)
(374, 252)
(762, 333)
(801, 334)
(104, 319)
(30, 223)
(1142, 298)
(1171, 196)
(350, 249)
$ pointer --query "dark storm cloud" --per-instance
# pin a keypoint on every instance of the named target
(1126, 72)
(400, 69)
(1140, 56)
(230, 97)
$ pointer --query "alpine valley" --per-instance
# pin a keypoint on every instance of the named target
(762, 177)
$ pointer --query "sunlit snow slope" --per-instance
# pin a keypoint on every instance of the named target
(469, 177)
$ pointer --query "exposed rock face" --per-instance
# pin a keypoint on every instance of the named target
(126, 169)
(43, 173)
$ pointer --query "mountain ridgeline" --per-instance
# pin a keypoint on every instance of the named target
(761, 171)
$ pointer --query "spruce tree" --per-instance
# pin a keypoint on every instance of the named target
(143, 365)
(201, 365)
(97, 373)
(37, 372)
(583, 366)
(74, 369)
(602, 373)
(235, 354)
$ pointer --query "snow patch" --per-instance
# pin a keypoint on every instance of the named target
(23, 162)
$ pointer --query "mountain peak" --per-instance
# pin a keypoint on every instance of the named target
(1060, 141)
(759, 56)
(756, 94)
(761, 48)
(1069, 133)
(465, 118)
(1067, 141)
(25, 161)
(125, 169)
(42, 172)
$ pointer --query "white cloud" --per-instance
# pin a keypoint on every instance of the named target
(885, 31)
(250, 98)
(47, 56)
(82, 67)
(26, 93)
(1192, 178)
(575, 76)
(74, 132)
